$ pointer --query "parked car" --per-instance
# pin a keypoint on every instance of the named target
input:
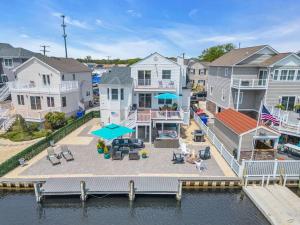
(126, 142)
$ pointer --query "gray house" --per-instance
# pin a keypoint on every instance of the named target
(10, 58)
(197, 72)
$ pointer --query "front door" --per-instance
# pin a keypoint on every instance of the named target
(262, 77)
(145, 100)
(288, 102)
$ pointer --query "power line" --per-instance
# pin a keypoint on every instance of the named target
(64, 34)
(44, 49)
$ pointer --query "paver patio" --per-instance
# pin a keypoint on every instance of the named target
(89, 162)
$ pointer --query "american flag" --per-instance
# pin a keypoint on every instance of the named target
(266, 115)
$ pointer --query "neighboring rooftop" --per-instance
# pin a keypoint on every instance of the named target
(236, 55)
(275, 59)
(238, 122)
(7, 50)
(64, 65)
(117, 75)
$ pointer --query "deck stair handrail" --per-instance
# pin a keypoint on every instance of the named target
(249, 83)
(4, 92)
(131, 120)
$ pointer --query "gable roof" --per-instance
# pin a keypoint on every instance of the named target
(236, 55)
(65, 65)
(155, 53)
(275, 59)
(7, 50)
(117, 75)
(238, 122)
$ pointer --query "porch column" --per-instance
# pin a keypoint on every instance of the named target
(276, 143)
(238, 154)
(150, 134)
(238, 100)
(162, 127)
(136, 131)
(178, 130)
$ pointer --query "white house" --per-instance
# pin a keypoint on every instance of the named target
(127, 96)
(47, 84)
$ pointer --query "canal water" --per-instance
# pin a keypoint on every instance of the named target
(196, 208)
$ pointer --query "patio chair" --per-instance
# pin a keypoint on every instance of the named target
(22, 162)
(205, 154)
(177, 158)
(134, 155)
(200, 165)
(66, 153)
(52, 156)
(117, 155)
(184, 149)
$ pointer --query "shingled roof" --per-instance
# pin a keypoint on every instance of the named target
(117, 75)
(236, 55)
(7, 50)
(275, 59)
(64, 65)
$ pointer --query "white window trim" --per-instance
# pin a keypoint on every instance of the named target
(288, 70)
(11, 62)
(226, 73)
(114, 94)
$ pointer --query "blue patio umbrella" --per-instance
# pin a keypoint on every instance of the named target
(166, 96)
(112, 131)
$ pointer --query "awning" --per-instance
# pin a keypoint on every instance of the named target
(166, 96)
(112, 131)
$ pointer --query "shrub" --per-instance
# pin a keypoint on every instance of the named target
(55, 120)
(280, 106)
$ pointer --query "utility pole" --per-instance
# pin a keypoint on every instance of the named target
(64, 34)
(44, 49)
(108, 57)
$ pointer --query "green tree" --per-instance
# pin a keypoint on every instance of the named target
(55, 120)
(212, 53)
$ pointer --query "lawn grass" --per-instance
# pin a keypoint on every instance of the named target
(18, 136)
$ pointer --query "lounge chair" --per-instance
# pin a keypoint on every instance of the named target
(184, 149)
(22, 162)
(66, 153)
(177, 159)
(205, 154)
(52, 156)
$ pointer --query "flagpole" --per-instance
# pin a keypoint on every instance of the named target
(258, 120)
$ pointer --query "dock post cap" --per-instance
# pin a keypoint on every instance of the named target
(179, 191)
(83, 194)
(131, 190)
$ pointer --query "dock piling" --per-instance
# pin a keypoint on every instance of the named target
(131, 190)
(37, 191)
(83, 194)
(179, 191)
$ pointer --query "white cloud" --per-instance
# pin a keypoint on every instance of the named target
(134, 13)
(193, 12)
(99, 22)
(24, 36)
(71, 21)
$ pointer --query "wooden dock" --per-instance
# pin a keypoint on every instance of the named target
(279, 204)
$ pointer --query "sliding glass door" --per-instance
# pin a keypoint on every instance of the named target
(145, 100)
(288, 102)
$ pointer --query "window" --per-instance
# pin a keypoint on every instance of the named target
(3, 78)
(166, 74)
(46, 79)
(275, 77)
(144, 77)
(236, 97)
(223, 95)
(122, 94)
(50, 101)
(226, 72)
(107, 93)
(288, 102)
(114, 94)
(63, 77)
(145, 100)
(283, 74)
(35, 102)
(64, 101)
(21, 99)
(8, 62)
(298, 75)
(211, 90)
(291, 75)
(74, 76)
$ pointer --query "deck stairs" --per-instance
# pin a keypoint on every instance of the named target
(4, 93)
(131, 120)
(6, 120)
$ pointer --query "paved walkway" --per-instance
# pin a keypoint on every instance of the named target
(279, 204)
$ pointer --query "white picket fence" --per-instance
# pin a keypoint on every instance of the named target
(256, 168)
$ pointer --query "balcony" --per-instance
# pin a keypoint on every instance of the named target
(64, 86)
(250, 84)
(146, 116)
(148, 85)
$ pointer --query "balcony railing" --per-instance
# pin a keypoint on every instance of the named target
(249, 83)
(148, 83)
(155, 114)
(64, 86)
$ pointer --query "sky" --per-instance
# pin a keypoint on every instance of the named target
(137, 28)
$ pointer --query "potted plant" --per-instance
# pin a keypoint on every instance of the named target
(280, 106)
(144, 154)
(100, 146)
(106, 152)
(297, 108)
